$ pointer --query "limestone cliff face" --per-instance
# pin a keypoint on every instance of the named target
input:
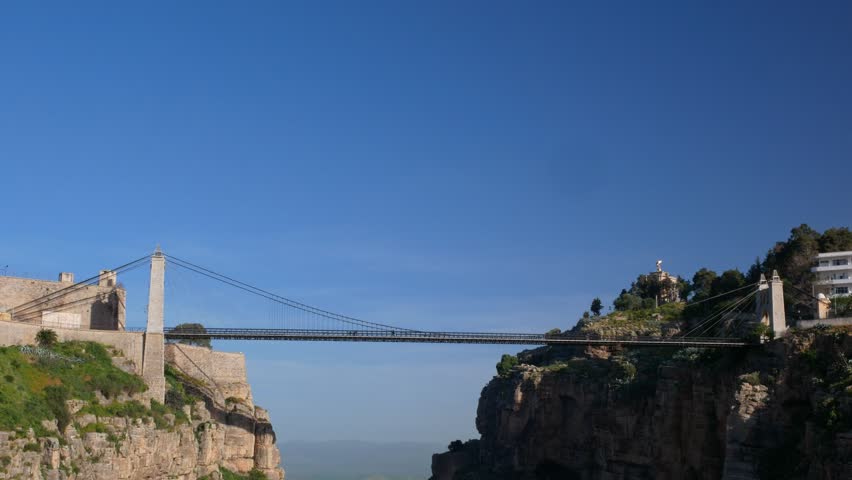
(123, 448)
(779, 411)
(221, 427)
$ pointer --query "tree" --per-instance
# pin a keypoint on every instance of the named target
(455, 446)
(646, 286)
(195, 328)
(46, 338)
(754, 271)
(730, 280)
(842, 306)
(684, 288)
(628, 301)
(596, 307)
(835, 240)
(760, 332)
(702, 283)
(793, 259)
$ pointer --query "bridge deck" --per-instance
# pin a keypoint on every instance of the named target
(410, 336)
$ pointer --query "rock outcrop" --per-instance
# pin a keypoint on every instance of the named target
(782, 410)
(126, 448)
(209, 423)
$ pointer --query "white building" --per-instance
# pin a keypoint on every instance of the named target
(833, 274)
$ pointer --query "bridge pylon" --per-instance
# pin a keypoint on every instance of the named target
(769, 304)
(153, 357)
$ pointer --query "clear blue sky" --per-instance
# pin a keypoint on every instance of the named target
(437, 165)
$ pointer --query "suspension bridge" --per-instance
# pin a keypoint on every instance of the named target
(296, 321)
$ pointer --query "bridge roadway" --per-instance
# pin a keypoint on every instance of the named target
(413, 336)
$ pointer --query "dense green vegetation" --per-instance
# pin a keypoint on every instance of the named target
(505, 365)
(792, 259)
(37, 381)
(176, 389)
(46, 338)
(229, 475)
(842, 306)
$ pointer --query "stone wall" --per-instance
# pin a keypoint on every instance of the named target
(224, 370)
(828, 322)
(131, 344)
(98, 307)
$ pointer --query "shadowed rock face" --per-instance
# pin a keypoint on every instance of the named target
(545, 423)
(741, 415)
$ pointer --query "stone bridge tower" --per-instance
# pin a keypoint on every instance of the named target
(769, 304)
(154, 351)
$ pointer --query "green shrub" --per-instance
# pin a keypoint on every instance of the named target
(159, 412)
(32, 447)
(760, 332)
(131, 409)
(752, 378)
(505, 365)
(96, 427)
(842, 306)
(39, 386)
(55, 396)
(46, 338)
(253, 475)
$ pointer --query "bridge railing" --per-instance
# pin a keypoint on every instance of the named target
(426, 336)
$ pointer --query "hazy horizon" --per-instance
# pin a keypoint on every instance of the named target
(358, 460)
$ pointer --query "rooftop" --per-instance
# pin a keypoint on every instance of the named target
(834, 254)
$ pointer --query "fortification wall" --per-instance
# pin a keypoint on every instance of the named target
(224, 370)
(98, 307)
(828, 322)
(131, 344)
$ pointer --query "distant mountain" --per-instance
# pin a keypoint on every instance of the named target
(356, 460)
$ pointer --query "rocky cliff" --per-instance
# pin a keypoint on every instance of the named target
(781, 410)
(89, 420)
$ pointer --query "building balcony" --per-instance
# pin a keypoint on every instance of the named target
(834, 281)
(831, 268)
(826, 255)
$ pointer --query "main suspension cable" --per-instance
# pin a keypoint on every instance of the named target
(278, 298)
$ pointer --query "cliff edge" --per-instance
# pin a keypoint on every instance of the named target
(779, 410)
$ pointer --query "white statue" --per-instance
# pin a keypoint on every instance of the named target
(659, 265)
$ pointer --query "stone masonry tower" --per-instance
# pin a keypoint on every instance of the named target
(153, 356)
(769, 304)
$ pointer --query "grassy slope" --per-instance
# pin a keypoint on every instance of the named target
(646, 322)
(34, 386)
